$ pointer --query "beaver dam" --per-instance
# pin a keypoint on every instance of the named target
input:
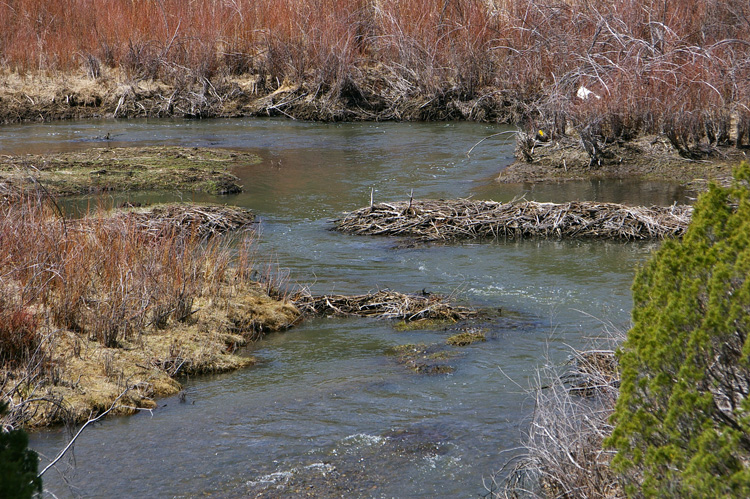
(431, 220)
(202, 220)
(384, 304)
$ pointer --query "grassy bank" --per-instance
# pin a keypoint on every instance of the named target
(126, 169)
(94, 308)
(679, 68)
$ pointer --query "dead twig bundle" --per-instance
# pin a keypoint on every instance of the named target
(465, 219)
(202, 220)
(592, 372)
(383, 304)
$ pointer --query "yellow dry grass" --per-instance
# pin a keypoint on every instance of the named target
(88, 377)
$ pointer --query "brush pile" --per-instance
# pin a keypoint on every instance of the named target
(383, 304)
(465, 219)
(592, 373)
(201, 220)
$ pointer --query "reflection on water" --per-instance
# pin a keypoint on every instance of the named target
(326, 411)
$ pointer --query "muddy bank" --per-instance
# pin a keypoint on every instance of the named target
(650, 157)
(125, 169)
(370, 95)
(449, 220)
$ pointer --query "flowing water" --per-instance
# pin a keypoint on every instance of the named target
(327, 412)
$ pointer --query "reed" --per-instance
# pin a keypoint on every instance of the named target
(94, 307)
(109, 277)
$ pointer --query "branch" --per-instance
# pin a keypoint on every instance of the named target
(72, 441)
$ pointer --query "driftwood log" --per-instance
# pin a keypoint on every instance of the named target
(467, 219)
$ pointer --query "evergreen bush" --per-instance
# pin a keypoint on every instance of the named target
(682, 418)
(18, 465)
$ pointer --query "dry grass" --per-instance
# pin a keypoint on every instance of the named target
(465, 219)
(190, 169)
(124, 302)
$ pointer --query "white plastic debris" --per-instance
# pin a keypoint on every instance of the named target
(584, 93)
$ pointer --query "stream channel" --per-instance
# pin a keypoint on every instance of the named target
(326, 412)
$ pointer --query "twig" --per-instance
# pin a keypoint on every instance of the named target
(80, 431)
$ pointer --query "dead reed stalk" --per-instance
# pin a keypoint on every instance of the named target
(466, 219)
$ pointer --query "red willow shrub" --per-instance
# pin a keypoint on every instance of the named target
(107, 280)
(19, 336)
(651, 63)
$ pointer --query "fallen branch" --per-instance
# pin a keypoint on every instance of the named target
(80, 431)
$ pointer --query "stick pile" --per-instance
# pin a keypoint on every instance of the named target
(202, 220)
(383, 304)
(466, 219)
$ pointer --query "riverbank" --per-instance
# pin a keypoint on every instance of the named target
(647, 157)
(111, 309)
(372, 96)
(369, 97)
(118, 169)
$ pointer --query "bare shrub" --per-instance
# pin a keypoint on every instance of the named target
(19, 336)
(562, 453)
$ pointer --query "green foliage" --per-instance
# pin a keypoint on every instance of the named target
(682, 419)
(18, 465)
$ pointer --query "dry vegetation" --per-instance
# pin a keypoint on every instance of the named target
(562, 454)
(385, 304)
(187, 169)
(466, 219)
(93, 308)
(678, 68)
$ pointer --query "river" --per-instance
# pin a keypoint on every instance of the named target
(326, 412)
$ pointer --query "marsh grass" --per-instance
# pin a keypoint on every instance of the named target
(95, 306)
(127, 169)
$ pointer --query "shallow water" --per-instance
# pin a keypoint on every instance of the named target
(326, 410)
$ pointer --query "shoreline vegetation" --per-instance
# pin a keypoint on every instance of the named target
(592, 87)
(655, 90)
(99, 169)
(178, 291)
(81, 327)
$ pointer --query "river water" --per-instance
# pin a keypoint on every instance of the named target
(326, 412)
